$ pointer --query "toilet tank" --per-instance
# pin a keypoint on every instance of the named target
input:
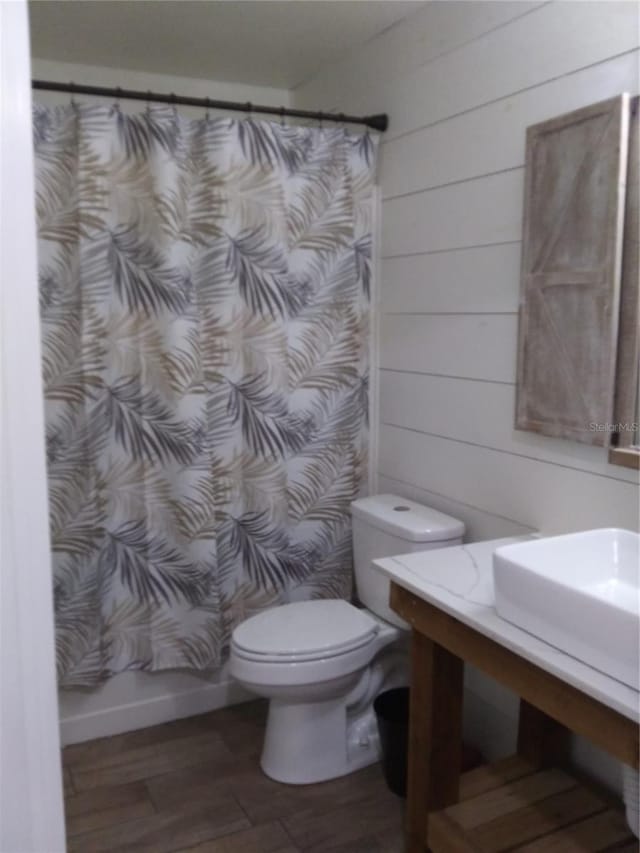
(385, 526)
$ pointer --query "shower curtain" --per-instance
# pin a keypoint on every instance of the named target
(204, 289)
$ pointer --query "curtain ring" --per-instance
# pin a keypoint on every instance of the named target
(249, 108)
(207, 107)
(172, 99)
(282, 121)
(148, 102)
(72, 88)
(341, 119)
(118, 96)
(320, 117)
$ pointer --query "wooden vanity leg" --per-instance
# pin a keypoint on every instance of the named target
(541, 740)
(435, 735)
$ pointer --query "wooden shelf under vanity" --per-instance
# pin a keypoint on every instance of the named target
(514, 805)
(530, 802)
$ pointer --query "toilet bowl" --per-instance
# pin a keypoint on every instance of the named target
(321, 663)
(312, 661)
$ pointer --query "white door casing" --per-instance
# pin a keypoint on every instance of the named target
(31, 807)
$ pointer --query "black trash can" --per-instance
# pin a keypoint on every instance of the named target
(392, 713)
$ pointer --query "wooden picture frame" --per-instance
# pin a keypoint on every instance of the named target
(576, 167)
(624, 442)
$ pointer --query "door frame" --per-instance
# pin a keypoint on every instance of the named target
(31, 803)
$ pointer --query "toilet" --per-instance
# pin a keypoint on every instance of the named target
(321, 663)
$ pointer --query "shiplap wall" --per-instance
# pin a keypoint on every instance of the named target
(461, 81)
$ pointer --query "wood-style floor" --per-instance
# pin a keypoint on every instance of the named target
(196, 785)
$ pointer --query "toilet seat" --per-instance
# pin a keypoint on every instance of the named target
(304, 631)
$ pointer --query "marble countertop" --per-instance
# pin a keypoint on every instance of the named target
(459, 580)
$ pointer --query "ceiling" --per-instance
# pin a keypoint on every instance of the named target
(264, 42)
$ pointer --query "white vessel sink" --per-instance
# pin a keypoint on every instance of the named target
(579, 593)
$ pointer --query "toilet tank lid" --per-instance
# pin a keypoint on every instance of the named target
(407, 519)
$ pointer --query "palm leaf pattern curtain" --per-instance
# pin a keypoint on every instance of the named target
(204, 291)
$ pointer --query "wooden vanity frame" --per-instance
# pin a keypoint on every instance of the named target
(549, 709)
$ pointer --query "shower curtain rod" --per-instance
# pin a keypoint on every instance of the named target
(376, 122)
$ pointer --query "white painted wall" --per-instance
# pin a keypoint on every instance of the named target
(31, 812)
(137, 699)
(94, 75)
(461, 81)
(134, 700)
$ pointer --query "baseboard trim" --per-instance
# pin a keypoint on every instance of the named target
(150, 711)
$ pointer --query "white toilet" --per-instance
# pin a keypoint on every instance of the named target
(322, 663)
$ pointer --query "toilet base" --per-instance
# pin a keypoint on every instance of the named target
(306, 743)
(313, 741)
